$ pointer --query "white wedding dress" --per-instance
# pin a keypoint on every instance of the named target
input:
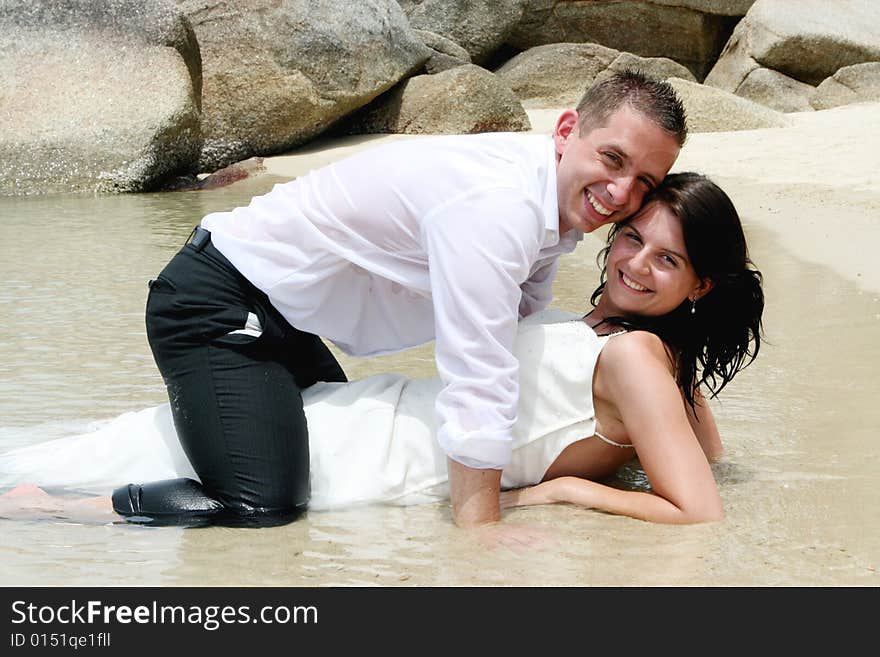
(371, 440)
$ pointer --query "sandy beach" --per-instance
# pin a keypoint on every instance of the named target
(814, 183)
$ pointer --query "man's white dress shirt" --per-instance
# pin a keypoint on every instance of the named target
(452, 238)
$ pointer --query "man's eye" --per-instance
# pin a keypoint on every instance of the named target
(647, 183)
(613, 158)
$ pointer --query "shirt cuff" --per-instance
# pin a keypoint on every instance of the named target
(483, 450)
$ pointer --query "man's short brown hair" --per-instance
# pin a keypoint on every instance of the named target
(653, 98)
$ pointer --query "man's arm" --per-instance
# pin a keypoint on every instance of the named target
(474, 494)
(480, 249)
(537, 291)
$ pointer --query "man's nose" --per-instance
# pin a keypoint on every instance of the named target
(621, 189)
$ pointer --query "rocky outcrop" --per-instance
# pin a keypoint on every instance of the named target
(479, 26)
(98, 95)
(276, 74)
(691, 33)
(462, 100)
(806, 40)
(556, 75)
(713, 110)
(851, 84)
(126, 95)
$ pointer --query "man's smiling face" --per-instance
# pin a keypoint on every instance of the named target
(603, 175)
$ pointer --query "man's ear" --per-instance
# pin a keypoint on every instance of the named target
(565, 125)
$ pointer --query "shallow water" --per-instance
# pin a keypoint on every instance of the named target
(799, 479)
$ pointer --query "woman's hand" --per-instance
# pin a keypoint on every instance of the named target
(530, 495)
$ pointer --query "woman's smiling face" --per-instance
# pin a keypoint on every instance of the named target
(649, 270)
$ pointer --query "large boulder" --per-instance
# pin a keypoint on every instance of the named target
(445, 53)
(479, 26)
(712, 110)
(852, 84)
(462, 100)
(279, 72)
(776, 90)
(98, 95)
(720, 7)
(691, 33)
(806, 40)
(556, 75)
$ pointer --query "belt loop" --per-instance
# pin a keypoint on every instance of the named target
(199, 237)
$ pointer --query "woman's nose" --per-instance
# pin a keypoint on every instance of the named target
(639, 261)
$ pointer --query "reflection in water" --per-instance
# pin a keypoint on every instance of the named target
(798, 478)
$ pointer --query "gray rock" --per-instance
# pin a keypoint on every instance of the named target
(776, 90)
(445, 54)
(720, 7)
(713, 110)
(678, 31)
(851, 84)
(98, 95)
(479, 26)
(557, 75)
(807, 40)
(278, 73)
(657, 67)
(462, 100)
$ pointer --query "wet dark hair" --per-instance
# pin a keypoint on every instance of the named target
(723, 336)
(653, 98)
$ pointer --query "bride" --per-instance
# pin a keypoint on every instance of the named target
(677, 312)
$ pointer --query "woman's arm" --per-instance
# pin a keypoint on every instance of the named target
(636, 377)
(703, 425)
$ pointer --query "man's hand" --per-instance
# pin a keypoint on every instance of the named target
(474, 494)
(518, 537)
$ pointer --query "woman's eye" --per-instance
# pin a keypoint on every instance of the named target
(669, 260)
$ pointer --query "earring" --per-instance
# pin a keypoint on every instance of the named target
(694, 306)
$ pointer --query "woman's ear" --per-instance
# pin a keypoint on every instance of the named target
(703, 288)
(566, 124)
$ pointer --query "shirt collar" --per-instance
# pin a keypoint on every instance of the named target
(552, 238)
(551, 200)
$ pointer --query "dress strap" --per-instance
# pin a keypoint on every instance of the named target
(611, 442)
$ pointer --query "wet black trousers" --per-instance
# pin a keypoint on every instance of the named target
(235, 397)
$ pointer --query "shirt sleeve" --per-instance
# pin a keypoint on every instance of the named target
(537, 291)
(480, 250)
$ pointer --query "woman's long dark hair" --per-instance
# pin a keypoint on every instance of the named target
(723, 336)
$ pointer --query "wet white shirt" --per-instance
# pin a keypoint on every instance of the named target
(450, 238)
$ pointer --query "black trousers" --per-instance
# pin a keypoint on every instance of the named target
(235, 397)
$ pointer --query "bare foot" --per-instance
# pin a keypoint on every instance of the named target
(25, 490)
(30, 502)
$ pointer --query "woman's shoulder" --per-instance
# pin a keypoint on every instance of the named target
(548, 316)
(632, 348)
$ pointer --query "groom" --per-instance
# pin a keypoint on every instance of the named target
(451, 238)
